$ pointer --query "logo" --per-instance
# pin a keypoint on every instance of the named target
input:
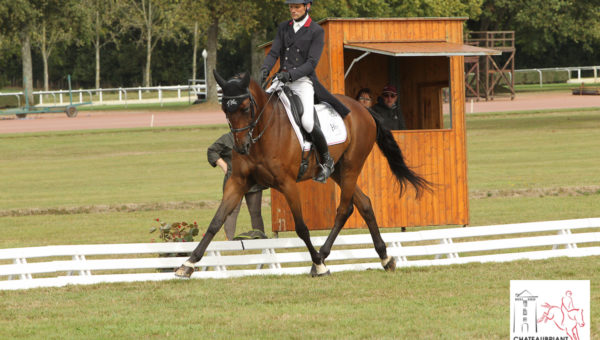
(550, 310)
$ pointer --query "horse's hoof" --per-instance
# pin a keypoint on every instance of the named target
(184, 271)
(389, 264)
(320, 270)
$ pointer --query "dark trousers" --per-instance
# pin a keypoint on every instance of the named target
(254, 203)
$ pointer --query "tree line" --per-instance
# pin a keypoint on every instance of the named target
(106, 43)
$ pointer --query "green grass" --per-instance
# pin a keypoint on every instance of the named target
(455, 302)
(546, 87)
(108, 186)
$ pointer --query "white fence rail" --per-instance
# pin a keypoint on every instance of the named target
(53, 266)
(569, 70)
(153, 94)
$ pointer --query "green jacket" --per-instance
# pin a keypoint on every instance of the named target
(223, 148)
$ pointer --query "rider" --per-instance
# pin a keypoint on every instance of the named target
(298, 45)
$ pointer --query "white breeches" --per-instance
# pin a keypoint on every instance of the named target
(303, 87)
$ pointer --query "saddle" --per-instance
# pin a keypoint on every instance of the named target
(298, 110)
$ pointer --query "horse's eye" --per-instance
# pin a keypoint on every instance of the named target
(247, 110)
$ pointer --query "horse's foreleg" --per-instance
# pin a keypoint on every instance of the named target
(344, 211)
(292, 196)
(231, 198)
(363, 203)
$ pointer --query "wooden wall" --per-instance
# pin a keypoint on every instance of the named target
(435, 151)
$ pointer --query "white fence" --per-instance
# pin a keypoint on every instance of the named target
(569, 70)
(153, 94)
(54, 266)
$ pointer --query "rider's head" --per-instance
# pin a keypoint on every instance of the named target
(299, 8)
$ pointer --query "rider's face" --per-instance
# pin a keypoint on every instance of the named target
(298, 10)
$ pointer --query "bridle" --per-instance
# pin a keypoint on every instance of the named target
(236, 101)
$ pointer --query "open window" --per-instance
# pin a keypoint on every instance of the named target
(420, 71)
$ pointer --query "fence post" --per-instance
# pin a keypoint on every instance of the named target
(60, 97)
(540, 72)
(41, 99)
(140, 93)
(100, 92)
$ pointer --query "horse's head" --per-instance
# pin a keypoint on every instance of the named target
(579, 318)
(239, 107)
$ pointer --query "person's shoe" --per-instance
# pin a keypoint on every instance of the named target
(327, 167)
(253, 234)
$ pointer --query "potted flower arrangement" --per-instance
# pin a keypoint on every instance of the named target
(175, 232)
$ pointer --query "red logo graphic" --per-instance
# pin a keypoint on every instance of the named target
(566, 317)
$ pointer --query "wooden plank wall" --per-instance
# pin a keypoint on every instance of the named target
(434, 151)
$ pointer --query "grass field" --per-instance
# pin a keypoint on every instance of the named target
(108, 187)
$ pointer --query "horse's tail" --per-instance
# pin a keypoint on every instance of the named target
(390, 149)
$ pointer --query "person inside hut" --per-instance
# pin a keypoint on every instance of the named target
(364, 97)
(388, 110)
(219, 154)
(298, 46)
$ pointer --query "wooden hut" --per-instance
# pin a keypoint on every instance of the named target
(424, 59)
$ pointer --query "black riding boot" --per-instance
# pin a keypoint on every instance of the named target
(325, 160)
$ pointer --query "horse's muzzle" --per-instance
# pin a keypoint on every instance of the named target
(243, 150)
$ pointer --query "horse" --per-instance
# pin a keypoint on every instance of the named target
(267, 152)
(565, 320)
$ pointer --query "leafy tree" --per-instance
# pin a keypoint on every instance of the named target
(543, 26)
(155, 20)
(436, 8)
(54, 26)
(100, 26)
(18, 18)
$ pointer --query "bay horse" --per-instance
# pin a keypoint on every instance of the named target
(267, 152)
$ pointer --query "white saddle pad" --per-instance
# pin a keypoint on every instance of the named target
(331, 122)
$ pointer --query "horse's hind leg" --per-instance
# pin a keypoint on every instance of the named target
(363, 203)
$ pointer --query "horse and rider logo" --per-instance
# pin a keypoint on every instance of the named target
(563, 306)
(566, 317)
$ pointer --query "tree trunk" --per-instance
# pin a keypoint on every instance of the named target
(27, 66)
(257, 54)
(97, 46)
(45, 57)
(195, 54)
(149, 46)
(211, 60)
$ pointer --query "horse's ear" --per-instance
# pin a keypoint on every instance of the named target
(219, 79)
(246, 80)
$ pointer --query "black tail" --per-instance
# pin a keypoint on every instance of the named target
(390, 149)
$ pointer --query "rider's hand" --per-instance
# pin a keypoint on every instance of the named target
(284, 77)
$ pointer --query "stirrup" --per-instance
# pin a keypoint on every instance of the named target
(326, 170)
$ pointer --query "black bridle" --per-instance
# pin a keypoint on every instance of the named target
(235, 101)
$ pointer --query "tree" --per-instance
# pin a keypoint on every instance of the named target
(18, 18)
(226, 19)
(156, 20)
(54, 26)
(194, 17)
(100, 26)
(543, 26)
